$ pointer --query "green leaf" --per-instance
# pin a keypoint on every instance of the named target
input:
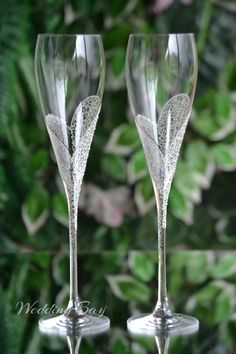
(119, 343)
(123, 140)
(13, 25)
(225, 156)
(60, 209)
(35, 209)
(55, 344)
(22, 274)
(229, 76)
(40, 161)
(187, 181)
(63, 297)
(203, 300)
(12, 327)
(120, 347)
(202, 102)
(176, 282)
(145, 345)
(224, 268)
(27, 68)
(223, 108)
(35, 343)
(214, 119)
(144, 195)
(32, 134)
(206, 125)
(118, 61)
(35, 278)
(84, 7)
(162, 96)
(53, 24)
(224, 306)
(114, 166)
(180, 206)
(137, 166)
(128, 288)
(116, 7)
(178, 260)
(215, 302)
(208, 294)
(226, 225)
(119, 34)
(198, 266)
(60, 269)
(142, 265)
(199, 158)
(42, 259)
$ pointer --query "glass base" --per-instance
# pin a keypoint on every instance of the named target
(148, 324)
(84, 324)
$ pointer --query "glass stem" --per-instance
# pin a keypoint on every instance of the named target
(162, 342)
(74, 344)
(162, 309)
(73, 308)
(73, 253)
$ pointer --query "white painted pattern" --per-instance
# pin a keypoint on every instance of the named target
(71, 144)
(162, 142)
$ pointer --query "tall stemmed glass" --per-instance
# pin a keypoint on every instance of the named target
(161, 74)
(70, 74)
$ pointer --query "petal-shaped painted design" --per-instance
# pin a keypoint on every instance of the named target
(154, 157)
(172, 117)
(57, 131)
(59, 127)
(162, 142)
(79, 159)
(83, 136)
(83, 117)
(79, 136)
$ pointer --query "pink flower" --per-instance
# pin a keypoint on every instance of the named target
(162, 5)
(106, 206)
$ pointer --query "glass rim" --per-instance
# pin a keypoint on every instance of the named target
(191, 34)
(67, 35)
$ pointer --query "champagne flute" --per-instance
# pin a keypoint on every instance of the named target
(161, 75)
(70, 75)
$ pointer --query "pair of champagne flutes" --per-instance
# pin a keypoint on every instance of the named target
(161, 75)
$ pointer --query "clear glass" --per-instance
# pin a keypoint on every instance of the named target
(161, 75)
(73, 338)
(70, 75)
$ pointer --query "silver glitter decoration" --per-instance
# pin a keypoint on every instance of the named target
(162, 142)
(71, 144)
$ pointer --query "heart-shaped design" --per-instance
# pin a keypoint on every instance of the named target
(76, 138)
(162, 142)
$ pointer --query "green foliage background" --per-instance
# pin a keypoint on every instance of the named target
(201, 283)
(203, 200)
(121, 214)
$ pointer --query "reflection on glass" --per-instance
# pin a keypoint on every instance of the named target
(162, 343)
(161, 74)
(70, 72)
(74, 344)
(73, 339)
(162, 339)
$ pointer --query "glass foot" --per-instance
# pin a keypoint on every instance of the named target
(148, 324)
(84, 324)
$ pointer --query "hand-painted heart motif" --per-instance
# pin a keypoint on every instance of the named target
(71, 145)
(162, 142)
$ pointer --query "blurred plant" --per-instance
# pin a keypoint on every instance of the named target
(200, 283)
(121, 213)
